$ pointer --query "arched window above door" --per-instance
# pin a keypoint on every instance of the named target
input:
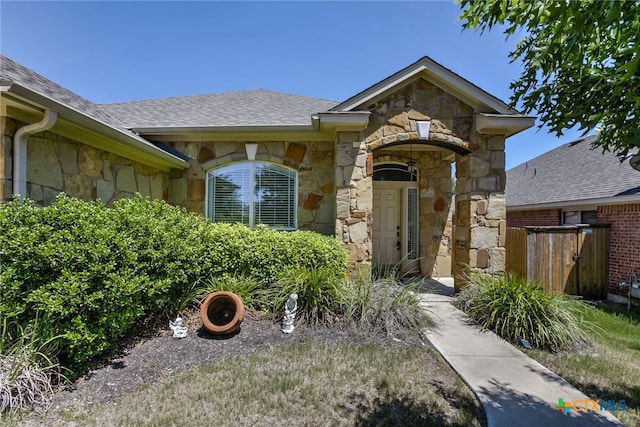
(393, 172)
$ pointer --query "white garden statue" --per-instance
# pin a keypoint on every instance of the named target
(178, 328)
(290, 308)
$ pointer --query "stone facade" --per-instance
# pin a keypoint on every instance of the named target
(57, 164)
(314, 162)
(8, 128)
(480, 220)
(334, 169)
(354, 199)
(477, 237)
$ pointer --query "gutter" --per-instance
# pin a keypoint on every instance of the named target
(20, 150)
(328, 121)
(568, 204)
(92, 123)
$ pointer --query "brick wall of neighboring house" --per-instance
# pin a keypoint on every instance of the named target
(532, 218)
(624, 241)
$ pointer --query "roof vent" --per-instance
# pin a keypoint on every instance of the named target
(577, 141)
(634, 161)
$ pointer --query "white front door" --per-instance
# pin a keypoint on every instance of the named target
(395, 225)
(387, 247)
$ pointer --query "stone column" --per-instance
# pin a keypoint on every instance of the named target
(434, 204)
(354, 200)
(7, 130)
(480, 219)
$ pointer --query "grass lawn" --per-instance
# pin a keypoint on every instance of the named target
(610, 368)
(307, 383)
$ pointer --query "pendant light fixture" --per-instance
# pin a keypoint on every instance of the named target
(411, 164)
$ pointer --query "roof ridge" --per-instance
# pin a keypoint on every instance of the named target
(211, 94)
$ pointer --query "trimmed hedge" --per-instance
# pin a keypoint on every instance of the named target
(90, 272)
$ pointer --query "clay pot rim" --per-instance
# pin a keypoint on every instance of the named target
(233, 324)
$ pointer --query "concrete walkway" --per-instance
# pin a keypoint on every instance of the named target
(514, 389)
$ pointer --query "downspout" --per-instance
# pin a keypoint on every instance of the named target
(20, 150)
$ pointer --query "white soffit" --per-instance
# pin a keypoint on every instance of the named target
(503, 124)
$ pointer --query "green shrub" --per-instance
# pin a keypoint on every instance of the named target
(68, 263)
(514, 308)
(94, 271)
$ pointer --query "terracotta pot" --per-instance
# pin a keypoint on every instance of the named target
(222, 312)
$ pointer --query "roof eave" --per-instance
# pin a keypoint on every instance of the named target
(177, 130)
(161, 157)
(344, 120)
(234, 133)
(503, 124)
(323, 126)
(613, 200)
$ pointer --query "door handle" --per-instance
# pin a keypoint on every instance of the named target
(575, 256)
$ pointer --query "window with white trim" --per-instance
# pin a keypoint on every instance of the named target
(580, 217)
(253, 193)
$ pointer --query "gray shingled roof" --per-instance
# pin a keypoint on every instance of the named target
(245, 108)
(570, 173)
(12, 72)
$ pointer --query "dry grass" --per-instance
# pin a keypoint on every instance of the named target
(307, 383)
(26, 372)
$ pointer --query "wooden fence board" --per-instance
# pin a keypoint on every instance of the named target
(516, 248)
(572, 260)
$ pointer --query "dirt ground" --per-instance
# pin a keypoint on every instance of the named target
(158, 356)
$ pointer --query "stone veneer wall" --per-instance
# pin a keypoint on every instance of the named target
(354, 200)
(57, 164)
(480, 219)
(314, 162)
(8, 128)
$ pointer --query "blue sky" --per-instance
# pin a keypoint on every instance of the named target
(123, 51)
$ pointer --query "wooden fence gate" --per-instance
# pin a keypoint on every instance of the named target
(569, 259)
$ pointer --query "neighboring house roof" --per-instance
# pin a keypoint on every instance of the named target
(245, 108)
(572, 175)
(23, 85)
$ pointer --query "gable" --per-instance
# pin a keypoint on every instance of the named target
(491, 115)
(429, 70)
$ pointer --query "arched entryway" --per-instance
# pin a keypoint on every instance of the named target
(412, 208)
